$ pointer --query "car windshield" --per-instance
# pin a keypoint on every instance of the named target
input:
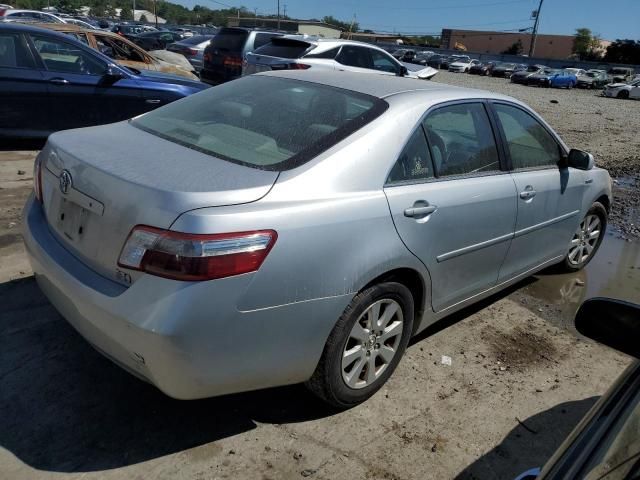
(263, 122)
(532, 68)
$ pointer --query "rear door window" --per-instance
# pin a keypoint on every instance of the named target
(230, 40)
(414, 164)
(383, 62)
(461, 140)
(13, 51)
(355, 56)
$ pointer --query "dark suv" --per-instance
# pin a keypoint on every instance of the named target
(224, 55)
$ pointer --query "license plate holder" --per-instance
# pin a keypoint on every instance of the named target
(71, 219)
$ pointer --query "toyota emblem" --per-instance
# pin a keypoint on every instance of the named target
(65, 181)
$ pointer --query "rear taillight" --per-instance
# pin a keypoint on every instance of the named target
(195, 257)
(231, 61)
(37, 178)
(2, 10)
(298, 66)
(191, 52)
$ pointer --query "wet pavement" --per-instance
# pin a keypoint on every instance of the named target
(613, 272)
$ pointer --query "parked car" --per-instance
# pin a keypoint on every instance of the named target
(229, 246)
(14, 14)
(79, 23)
(593, 79)
(506, 69)
(122, 50)
(446, 61)
(192, 48)
(223, 57)
(605, 444)
(437, 61)
(522, 76)
(463, 64)
(297, 53)
(482, 68)
(553, 78)
(623, 90)
(576, 71)
(125, 29)
(421, 58)
(157, 40)
(621, 74)
(50, 81)
(400, 53)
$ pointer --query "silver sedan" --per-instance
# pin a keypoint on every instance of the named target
(301, 226)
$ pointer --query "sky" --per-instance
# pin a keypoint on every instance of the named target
(611, 20)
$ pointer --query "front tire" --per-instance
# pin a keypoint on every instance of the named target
(365, 346)
(623, 94)
(587, 239)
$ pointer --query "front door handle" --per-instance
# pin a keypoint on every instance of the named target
(528, 193)
(418, 212)
(153, 101)
(59, 81)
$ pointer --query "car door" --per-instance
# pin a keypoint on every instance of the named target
(80, 93)
(549, 196)
(452, 201)
(635, 90)
(24, 99)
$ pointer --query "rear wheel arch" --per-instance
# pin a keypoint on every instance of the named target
(411, 279)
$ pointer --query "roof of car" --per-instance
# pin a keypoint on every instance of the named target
(380, 86)
(68, 27)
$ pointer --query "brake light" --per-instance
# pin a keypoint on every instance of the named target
(298, 66)
(195, 257)
(191, 52)
(232, 61)
(2, 11)
(37, 178)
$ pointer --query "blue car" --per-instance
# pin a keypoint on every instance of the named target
(49, 81)
(553, 78)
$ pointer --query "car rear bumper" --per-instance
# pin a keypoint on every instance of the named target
(187, 338)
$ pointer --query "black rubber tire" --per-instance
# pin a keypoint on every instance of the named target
(598, 209)
(623, 94)
(327, 382)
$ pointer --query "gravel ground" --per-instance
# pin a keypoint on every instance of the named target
(606, 127)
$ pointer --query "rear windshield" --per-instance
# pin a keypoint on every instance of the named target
(263, 122)
(196, 39)
(230, 40)
(283, 48)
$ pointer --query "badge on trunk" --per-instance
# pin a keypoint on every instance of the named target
(65, 181)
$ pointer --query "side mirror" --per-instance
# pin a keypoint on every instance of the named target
(403, 71)
(111, 75)
(613, 323)
(580, 160)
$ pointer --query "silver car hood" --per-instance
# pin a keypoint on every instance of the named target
(122, 176)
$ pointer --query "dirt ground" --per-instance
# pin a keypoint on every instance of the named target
(519, 381)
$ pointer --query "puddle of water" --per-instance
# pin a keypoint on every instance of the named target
(614, 272)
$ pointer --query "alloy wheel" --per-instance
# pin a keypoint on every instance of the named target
(372, 344)
(585, 240)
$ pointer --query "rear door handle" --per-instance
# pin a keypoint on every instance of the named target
(153, 101)
(59, 81)
(589, 181)
(420, 211)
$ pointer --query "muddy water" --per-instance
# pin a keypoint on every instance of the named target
(614, 272)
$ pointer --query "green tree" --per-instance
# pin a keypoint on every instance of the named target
(143, 18)
(126, 13)
(586, 45)
(515, 49)
(344, 26)
(623, 51)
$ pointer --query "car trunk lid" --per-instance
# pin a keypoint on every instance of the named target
(118, 176)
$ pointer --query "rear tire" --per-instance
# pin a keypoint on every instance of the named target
(586, 240)
(365, 346)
